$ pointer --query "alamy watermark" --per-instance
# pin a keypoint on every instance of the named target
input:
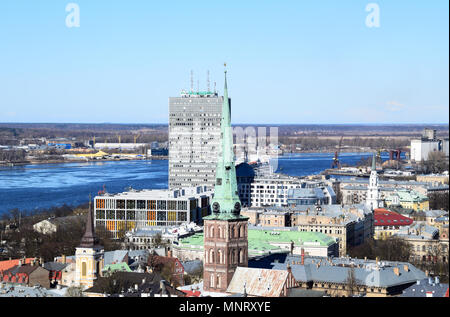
(251, 144)
(373, 18)
(73, 16)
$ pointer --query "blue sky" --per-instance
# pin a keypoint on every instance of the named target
(288, 61)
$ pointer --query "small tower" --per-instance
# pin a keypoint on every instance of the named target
(88, 255)
(373, 200)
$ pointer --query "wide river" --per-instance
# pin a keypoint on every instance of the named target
(45, 185)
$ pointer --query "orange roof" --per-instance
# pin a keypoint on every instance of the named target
(6, 265)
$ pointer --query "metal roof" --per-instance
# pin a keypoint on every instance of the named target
(336, 270)
(258, 282)
(428, 287)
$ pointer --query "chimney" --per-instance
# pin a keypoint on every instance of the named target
(64, 259)
(20, 262)
(436, 280)
(169, 253)
(143, 281)
(289, 269)
(426, 272)
(396, 271)
(303, 256)
(406, 268)
(41, 261)
(136, 287)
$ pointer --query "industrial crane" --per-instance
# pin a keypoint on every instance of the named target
(336, 162)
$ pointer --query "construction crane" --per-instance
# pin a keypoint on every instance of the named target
(336, 162)
(136, 137)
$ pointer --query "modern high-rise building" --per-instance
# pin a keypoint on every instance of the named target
(194, 138)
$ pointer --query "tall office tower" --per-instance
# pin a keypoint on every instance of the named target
(225, 231)
(194, 138)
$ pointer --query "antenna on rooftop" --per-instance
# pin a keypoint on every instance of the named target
(198, 85)
(192, 80)
(215, 87)
(208, 86)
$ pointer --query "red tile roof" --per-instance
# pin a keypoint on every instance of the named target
(6, 265)
(383, 217)
(192, 293)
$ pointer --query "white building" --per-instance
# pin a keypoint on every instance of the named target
(420, 149)
(428, 143)
(126, 211)
(373, 200)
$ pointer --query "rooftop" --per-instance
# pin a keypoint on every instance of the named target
(427, 287)
(179, 194)
(261, 241)
(258, 282)
(367, 272)
(383, 217)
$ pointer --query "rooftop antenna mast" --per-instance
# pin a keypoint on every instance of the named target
(198, 85)
(192, 81)
(208, 84)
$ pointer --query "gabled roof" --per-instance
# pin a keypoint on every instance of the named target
(192, 266)
(115, 256)
(5, 265)
(166, 260)
(384, 217)
(55, 266)
(258, 282)
(25, 269)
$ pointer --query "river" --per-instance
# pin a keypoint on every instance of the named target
(45, 185)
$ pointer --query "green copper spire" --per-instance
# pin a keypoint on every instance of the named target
(226, 203)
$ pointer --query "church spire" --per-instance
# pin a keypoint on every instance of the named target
(226, 199)
(89, 239)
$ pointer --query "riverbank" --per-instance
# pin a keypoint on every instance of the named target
(35, 162)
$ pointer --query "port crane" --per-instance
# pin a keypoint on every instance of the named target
(336, 162)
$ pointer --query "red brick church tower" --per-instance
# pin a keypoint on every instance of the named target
(225, 231)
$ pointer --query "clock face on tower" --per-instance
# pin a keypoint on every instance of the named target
(237, 208)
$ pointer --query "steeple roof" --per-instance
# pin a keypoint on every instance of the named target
(226, 203)
(89, 239)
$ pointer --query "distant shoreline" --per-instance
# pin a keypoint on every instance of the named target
(75, 161)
